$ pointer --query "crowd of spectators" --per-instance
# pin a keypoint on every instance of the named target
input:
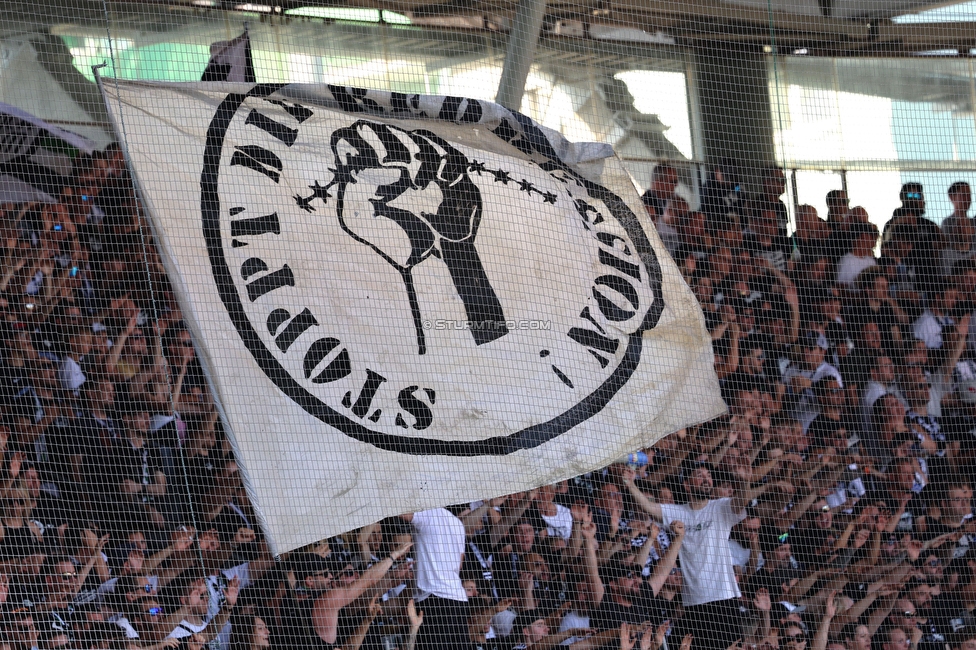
(831, 508)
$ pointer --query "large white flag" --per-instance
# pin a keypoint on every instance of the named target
(410, 301)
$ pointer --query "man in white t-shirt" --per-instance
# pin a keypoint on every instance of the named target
(559, 520)
(438, 538)
(864, 238)
(710, 592)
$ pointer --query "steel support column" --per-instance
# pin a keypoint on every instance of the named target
(526, 26)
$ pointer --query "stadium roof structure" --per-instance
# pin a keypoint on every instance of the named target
(828, 27)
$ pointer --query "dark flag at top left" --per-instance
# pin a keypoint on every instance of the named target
(230, 61)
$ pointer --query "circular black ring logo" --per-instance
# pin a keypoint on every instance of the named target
(378, 168)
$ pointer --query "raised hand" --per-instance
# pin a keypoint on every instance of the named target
(743, 472)
(416, 618)
(762, 601)
(182, 540)
(374, 608)
(626, 637)
(678, 528)
(503, 605)
(589, 531)
(830, 606)
(231, 591)
(401, 551)
(657, 637)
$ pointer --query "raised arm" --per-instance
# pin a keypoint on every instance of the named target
(669, 466)
(663, 568)
(645, 504)
(341, 597)
(517, 505)
(356, 639)
(830, 609)
(592, 568)
(741, 483)
(956, 347)
(85, 570)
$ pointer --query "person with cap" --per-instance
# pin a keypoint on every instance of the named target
(801, 376)
(326, 609)
(622, 603)
(306, 575)
(710, 592)
(833, 428)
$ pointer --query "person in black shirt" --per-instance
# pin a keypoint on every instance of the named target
(765, 239)
(129, 474)
(664, 179)
(623, 602)
(832, 429)
(957, 599)
(722, 194)
(773, 187)
(955, 512)
(925, 235)
(811, 236)
(895, 490)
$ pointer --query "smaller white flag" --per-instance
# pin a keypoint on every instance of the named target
(230, 61)
(35, 157)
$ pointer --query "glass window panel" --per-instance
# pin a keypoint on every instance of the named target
(812, 188)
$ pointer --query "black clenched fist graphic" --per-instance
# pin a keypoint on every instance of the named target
(407, 195)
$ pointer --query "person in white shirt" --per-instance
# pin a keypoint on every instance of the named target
(710, 592)
(864, 237)
(438, 538)
(928, 327)
(882, 379)
(559, 520)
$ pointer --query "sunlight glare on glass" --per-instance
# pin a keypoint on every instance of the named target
(963, 12)
(352, 14)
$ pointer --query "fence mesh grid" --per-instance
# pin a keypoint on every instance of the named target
(492, 325)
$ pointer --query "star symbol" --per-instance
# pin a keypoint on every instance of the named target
(501, 176)
(549, 197)
(526, 186)
(305, 202)
(318, 192)
(477, 166)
